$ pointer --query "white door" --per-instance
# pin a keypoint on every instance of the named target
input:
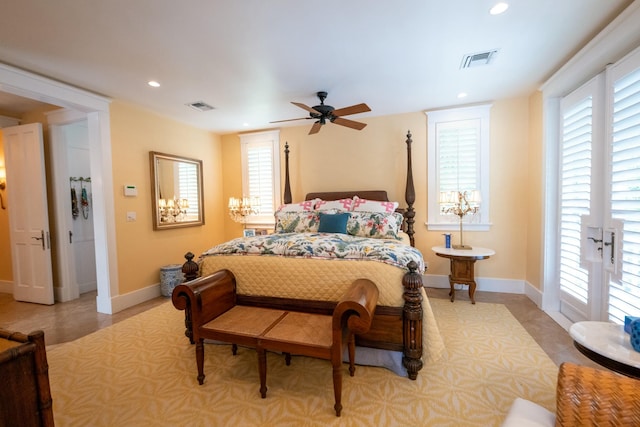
(599, 197)
(74, 142)
(28, 216)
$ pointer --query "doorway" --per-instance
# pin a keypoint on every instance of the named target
(96, 109)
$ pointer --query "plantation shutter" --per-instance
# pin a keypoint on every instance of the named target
(458, 149)
(575, 194)
(624, 287)
(260, 175)
(188, 185)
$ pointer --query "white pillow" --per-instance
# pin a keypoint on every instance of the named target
(364, 205)
(307, 205)
(342, 205)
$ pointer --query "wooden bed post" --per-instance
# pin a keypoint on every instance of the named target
(412, 321)
(287, 184)
(410, 194)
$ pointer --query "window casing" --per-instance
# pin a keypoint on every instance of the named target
(261, 174)
(458, 160)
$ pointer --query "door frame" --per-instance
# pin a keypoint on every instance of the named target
(68, 288)
(96, 108)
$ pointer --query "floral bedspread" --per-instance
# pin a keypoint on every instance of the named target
(323, 246)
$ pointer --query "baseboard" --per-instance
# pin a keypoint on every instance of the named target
(487, 284)
(6, 287)
(121, 302)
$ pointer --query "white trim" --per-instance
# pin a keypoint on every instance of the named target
(29, 85)
(485, 284)
(121, 302)
(619, 38)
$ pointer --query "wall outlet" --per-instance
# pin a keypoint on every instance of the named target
(131, 216)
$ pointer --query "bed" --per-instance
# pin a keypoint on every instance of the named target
(324, 243)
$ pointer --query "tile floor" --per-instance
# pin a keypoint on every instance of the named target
(68, 321)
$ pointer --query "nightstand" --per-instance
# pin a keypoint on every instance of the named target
(462, 263)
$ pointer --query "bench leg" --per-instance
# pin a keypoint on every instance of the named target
(262, 370)
(200, 360)
(234, 349)
(337, 386)
(351, 345)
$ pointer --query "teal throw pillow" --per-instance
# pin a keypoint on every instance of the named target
(333, 223)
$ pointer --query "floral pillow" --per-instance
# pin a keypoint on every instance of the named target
(307, 205)
(376, 225)
(297, 222)
(364, 205)
(342, 205)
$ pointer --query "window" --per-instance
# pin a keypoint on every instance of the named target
(261, 173)
(458, 150)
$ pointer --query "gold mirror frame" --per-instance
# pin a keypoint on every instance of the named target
(176, 201)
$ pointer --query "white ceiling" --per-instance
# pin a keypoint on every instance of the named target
(250, 58)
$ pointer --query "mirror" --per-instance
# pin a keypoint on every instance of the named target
(176, 196)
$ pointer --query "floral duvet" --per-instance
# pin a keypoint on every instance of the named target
(323, 246)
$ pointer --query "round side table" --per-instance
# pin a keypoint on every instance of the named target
(462, 262)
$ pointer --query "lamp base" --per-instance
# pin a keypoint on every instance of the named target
(462, 247)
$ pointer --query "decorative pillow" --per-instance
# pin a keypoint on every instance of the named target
(307, 205)
(364, 205)
(377, 225)
(342, 205)
(297, 222)
(333, 223)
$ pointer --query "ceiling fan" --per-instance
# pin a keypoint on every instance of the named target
(323, 113)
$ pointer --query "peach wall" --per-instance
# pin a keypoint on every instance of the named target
(141, 250)
(375, 158)
(535, 212)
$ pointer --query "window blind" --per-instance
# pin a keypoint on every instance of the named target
(458, 148)
(575, 194)
(624, 295)
(260, 176)
(188, 185)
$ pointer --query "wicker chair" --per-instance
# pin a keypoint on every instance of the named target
(585, 397)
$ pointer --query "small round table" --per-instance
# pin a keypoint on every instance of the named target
(462, 261)
(607, 344)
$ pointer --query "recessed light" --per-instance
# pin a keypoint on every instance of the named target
(462, 95)
(153, 83)
(499, 8)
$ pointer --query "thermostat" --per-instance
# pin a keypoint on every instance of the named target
(130, 190)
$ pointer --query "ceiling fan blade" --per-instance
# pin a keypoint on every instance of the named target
(290, 120)
(354, 109)
(315, 128)
(304, 107)
(349, 123)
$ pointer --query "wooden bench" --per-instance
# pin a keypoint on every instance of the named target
(217, 316)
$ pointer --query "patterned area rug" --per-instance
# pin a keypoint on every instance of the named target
(142, 372)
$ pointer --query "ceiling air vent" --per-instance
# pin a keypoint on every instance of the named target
(477, 59)
(200, 106)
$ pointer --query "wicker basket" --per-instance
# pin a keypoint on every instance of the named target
(593, 397)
